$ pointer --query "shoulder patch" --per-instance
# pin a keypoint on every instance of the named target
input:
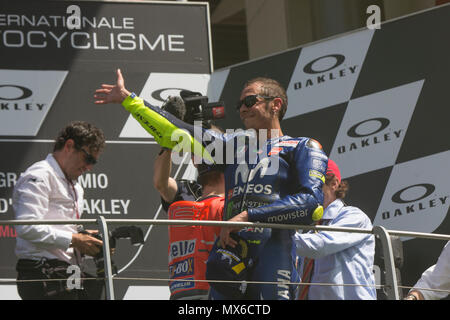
(275, 151)
(314, 144)
(319, 155)
(317, 174)
(287, 143)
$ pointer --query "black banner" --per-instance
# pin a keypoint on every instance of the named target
(53, 55)
(377, 102)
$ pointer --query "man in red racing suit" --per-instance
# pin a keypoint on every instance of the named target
(189, 246)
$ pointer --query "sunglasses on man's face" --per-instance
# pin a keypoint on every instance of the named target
(90, 159)
(250, 101)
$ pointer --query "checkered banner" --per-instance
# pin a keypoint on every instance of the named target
(377, 101)
(53, 55)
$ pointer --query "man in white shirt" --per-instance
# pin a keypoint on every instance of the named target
(49, 190)
(436, 279)
(337, 257)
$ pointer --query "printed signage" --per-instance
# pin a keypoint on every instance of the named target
(53, 55)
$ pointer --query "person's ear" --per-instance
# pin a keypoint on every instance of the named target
(334, 184)
(277, 103)
(69, 145)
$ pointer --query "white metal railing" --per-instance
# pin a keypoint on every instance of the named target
(391, 285)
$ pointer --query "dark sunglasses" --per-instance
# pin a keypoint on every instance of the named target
(250, 101)
(89, 157)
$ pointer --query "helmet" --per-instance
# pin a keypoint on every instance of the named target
(229, 264)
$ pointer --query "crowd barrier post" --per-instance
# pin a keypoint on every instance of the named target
(103, 228)
(389, 266)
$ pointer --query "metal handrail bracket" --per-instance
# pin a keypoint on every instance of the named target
(103, 227)
(389, 266)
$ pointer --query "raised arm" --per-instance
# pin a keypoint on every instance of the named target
(168, 131)
(166, 186)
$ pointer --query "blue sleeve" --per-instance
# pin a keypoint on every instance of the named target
(308, 167)
(324, 243)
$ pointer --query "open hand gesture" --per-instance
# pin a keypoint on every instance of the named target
(112, 93)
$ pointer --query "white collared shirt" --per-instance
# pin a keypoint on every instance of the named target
(340, 257)
(436, 277)
(43, 192)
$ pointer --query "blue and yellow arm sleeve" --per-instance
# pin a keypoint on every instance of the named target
(168, 131)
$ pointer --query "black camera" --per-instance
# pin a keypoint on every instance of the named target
(198, 108)
(194, 107)
(133, 233)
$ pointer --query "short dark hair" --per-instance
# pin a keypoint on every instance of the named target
(83, 134)
(209, 174)
(342, 189)
(272, 88)
(210, 178)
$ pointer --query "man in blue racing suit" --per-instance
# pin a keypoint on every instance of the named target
(269, 177)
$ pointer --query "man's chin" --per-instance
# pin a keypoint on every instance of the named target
(247, 123)
(75, 176)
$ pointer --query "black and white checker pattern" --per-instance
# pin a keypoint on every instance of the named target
(377, 102)
(48, 75)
